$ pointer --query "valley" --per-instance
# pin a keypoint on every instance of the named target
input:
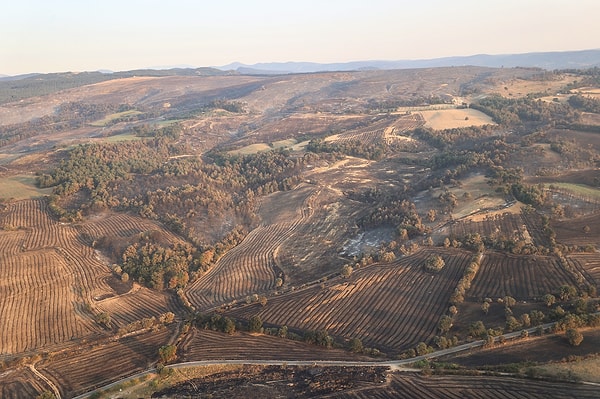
(368, 216)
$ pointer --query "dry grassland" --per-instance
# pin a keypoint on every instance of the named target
(473, 195)
(453, 118)
(587, 370)
(593, 92)
(21, 187)
(520, 87)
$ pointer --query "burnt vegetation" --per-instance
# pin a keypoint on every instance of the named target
(214, 207)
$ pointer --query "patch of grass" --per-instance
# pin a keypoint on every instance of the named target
(480, 195)
(168, 122)
(109, 118)
(21, 187)
(582, 369)
(120, 137)
(579, 189)
(251, 149)
(254, 148)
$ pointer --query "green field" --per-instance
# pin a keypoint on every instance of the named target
(109, 118)
(254, 148)
(21, 187)
(579, 189)
(120, 137)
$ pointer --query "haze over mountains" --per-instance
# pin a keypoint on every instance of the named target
(544, 60)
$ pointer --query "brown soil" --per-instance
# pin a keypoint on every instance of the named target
(550, 348)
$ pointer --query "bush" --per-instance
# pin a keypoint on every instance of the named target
(255, 324)
(574, 337)
(434, 263)
(356, 345)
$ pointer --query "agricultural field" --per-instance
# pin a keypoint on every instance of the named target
(114, 117)
(20, 187)
(21, 382)
(581, 231)
(521, 87)
(522, 277)
(453, 118)
(104, 363)
(382, 305)
(492, 223)
(407, 385)
(549, 349)
(249, 268)
(589, 264)
(208, 345)
(44, 260)
(313, 201)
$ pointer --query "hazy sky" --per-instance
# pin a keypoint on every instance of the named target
(84, 35)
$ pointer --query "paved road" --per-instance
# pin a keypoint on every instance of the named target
(394, 365)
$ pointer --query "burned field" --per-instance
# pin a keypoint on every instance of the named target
(321, 208)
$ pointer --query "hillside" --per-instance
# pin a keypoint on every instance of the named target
(368, 215)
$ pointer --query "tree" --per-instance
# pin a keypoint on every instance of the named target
(574, 337)
(445, 324)
(525, 320)
(347, 271)
(356, 345)
(485, 306)
(431, 214)
(46, 395)
(387, 257)
(263, 300)
(423, 349)
(167, 353)
(167, 318)
(282, 332)
(434, 263)
(549, 299)
(255, 324)
(103, 319)
(228, 326)
(537, 317)
(567, 292)
(512, 323)
(477, 329)
(509, 301)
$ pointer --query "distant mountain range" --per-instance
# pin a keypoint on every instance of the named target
(546, 60)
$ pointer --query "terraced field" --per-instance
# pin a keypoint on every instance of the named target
(249, 268)
(390, 306)
(21, 383)
(522, 277)
(104, 363)
(138, 304)
(430, 387)
(209, 345)
(48, 276)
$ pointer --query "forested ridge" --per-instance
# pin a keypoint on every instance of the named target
(156, 179)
